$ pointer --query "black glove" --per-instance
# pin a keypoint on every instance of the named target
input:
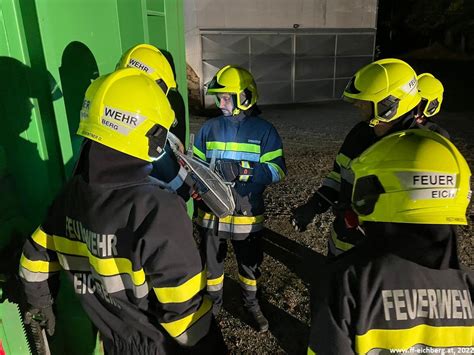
(233, 170)
(304, 214)
(43, 316)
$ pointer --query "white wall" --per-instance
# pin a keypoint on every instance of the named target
(258, 14)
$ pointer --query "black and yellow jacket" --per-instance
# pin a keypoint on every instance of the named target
(338, 184)
(128, 249)
(401, 289)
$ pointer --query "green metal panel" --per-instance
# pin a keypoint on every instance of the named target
(12, 334)
(49, 53)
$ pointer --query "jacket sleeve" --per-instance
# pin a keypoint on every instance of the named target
(331, 324)
(173, 266)
(271, 167)
(39, 266)
(199, 147)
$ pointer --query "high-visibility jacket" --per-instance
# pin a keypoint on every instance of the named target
(338, 184)
(395, 294)
(127, 246)
(254, 141)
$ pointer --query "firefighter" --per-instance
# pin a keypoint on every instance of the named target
(248, 153)
(431, 91)
(151, 60)
(126, 245)
(386, 94)
(402, 289)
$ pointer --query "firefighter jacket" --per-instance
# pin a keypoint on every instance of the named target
(253, 141)
(127, 247)
(338, 184)
(401, 289)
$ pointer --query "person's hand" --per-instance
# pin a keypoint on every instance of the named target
(233, 170)
(229, 170)
(43, 316)
(304, 214)
(195, 193)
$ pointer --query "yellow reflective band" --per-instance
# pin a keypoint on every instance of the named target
(183, 292)
(245, 164)
(442, 337)
(339, 243)
(104, 267)
(235, 147)
(271, 155)
(281, 173)
(232, 219)
(199, 154)
(39, 265)
(343, 160)
(214, 282)
(179, 326)
(247, 281)
(334, 176)
(310, 351)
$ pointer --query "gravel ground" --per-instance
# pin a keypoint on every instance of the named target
(312, 135)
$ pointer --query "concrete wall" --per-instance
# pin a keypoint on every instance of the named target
(262, 14)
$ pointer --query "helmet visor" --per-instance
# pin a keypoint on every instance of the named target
(366, 193)
(161, 83)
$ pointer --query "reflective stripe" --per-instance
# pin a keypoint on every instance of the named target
(196, 332)
(177, 181)
(111, 284)
(231, 228)
(334, 176)
(332, 184)
(271, 155)
(179, 326)
(233, 146)
(232, 219)
(199, 154)
(247, 281)
(33, 276)
(215, 288)
(343, 160)
(347, 175)
(104, 267)
(216, 284)
(183, 292)
(310, 351)
(39, 265)
(428, 335)
(231, 155)
(339, 244)
(244, 178)
(245, 164)
(216, 281)
(277, 173)
(247, 284)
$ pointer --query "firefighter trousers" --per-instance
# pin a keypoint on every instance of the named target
(249, 255)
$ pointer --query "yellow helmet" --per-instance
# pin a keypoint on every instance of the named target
(238, 82)
(127, 111)
(431, 91)
(149, 59)
(413, 176)
(390, 84)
